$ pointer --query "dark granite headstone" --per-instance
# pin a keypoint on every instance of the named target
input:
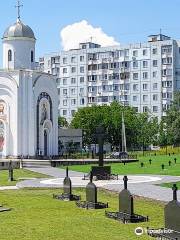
(126, 199)
(91, 191)
(126, 208)
(172, 212)
(142, 164)
(91, 197)
(169, 163)
(150, 161)
(67, 185)
(162, 166)
(175, 160)
(67, 190)
(101, 172)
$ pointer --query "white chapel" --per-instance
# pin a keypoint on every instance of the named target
(28, 98)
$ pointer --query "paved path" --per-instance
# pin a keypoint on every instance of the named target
(144, 189)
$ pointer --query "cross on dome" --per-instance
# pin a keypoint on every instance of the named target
(18, 6)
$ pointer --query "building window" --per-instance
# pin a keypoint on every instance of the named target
(65, 60)
(145, 109)
(135, 76)
(135, 109)
(65, 91)
(32, 56)
(73, 91)
(135, 53)
(135, 87)
(155, 109)
(154, 74)
(9, 55)
(145, 86)
(73, 80)
(64, 70)
(81, 90)
(64, 112)
(81, 79)
(81, 69)
(135, 64)
(64, 81)
(144, 52)
(145, 98)
(145, 75)
(73, 112)
(73, 69)
(81, 58)
(145, 64)
(154, 51)
(64, 102)
(73, 101)
(155, 63)
(82, 101)
(135, 98)
(155, 97)
(155, 85)
(73, 59)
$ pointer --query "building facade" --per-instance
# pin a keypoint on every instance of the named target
(28, 98)
(143, 75)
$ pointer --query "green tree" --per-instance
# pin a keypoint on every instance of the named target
(139, 128)
(173, 120)
(62, 122)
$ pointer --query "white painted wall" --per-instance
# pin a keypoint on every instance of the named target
(21, 53)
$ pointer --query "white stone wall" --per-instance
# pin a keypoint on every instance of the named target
(21, 53)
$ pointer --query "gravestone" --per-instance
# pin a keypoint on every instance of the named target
(169, 163)
(175, 160)
(126, 207)
(162, 166)
(172, 212)
(67, 190)
(171, 219)
(101, 172)
(91, 197)
(126, 199)
(142, 164)
(67, 185)
(150, 161)
(11, 171)
(91, 191)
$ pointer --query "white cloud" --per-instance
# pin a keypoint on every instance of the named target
(76, 33)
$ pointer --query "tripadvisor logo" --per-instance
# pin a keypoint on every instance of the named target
(139, 231)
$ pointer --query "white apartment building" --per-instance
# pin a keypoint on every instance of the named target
(142, 75)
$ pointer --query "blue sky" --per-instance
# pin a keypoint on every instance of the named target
(127, 21)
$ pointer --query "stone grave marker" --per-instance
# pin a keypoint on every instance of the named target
(67, 190)
(91, 197)
(126, 207)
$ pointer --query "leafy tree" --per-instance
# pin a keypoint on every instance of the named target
(173, 120)
(139, 128)
(62, 122)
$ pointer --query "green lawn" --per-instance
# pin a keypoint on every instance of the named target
(169, 185)
(18, 173)
(135, 168)
(37, 216)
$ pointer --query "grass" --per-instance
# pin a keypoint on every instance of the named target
(169, 185)
(36, 215)
(18, 173)
(135, 168)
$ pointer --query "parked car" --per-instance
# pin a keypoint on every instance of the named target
(119, 155)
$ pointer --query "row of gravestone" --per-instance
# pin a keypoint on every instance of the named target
(126, 212)
(162, 165)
